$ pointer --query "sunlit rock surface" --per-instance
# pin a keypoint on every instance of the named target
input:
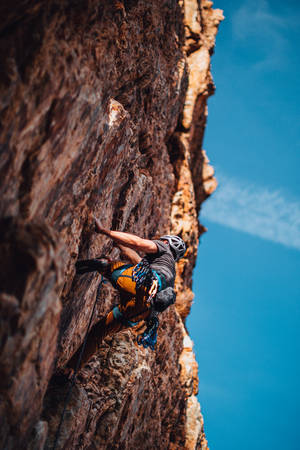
(103, 111)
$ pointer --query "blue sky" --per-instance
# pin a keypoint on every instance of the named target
(245, 319)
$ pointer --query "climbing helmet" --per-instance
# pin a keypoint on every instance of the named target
(177, 245)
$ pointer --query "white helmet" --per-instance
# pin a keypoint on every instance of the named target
(177, 245)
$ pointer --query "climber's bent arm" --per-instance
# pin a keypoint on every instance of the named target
(128, 239)
(129, 253)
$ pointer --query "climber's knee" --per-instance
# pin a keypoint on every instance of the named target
(107, 325)
(121, 277)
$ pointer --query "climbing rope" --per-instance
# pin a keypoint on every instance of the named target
(72, 382)
(144, 277)
(149, 337)
(142, 274)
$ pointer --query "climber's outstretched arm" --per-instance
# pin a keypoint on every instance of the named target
(130, 254)
(128, 239)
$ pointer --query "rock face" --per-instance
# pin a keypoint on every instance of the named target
(103, 110)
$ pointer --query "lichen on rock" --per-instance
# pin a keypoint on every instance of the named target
(103, 111)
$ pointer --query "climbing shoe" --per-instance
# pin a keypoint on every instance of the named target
(101, 264)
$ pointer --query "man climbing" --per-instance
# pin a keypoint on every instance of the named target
(145, 286)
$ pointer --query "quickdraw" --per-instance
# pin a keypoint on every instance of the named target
(152, 291)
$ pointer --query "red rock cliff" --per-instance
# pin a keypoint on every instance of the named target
(103, 110)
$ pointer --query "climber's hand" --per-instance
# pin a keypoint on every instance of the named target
(99, 228)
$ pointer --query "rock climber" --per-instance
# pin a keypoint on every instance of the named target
(145, 286)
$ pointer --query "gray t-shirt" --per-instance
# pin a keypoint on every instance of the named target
(163, 262)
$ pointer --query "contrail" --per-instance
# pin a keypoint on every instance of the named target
(255, 210)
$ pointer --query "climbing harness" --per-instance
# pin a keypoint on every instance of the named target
(72, 382)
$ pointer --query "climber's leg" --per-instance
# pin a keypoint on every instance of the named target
(118, 273)
(134, 310)
(112, 270)
(133, 307)
(107, 325)
(121, 277)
